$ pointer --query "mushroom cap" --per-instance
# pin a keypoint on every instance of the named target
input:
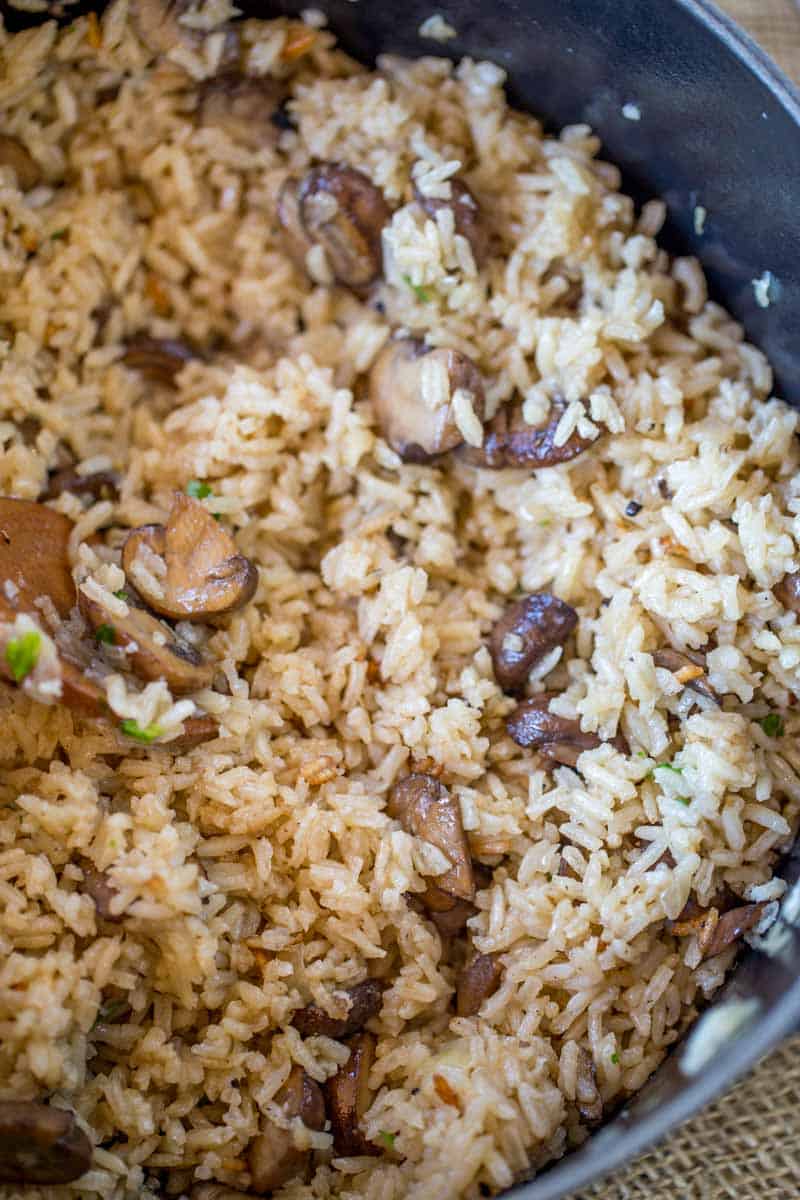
(204, 574)
(511, 442)
(426, 810)
(344, 212)
(41, 1144)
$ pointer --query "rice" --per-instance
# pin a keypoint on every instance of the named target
(260, 872)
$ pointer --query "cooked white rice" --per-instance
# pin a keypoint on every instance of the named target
(260, 871)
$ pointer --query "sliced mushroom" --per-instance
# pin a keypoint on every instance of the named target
(96, 884)
(565, 871)
(242, 106)
(161, 29)
(688, 669)
(719, 925)
(196, 730)
(41, 1144)
(587, 1093)
(448, 913)
(416, 426)
(34, 558)
(528, 630)
(158, 359)
(733, 925)
(100, 485)
(365, 1003)
(466, 215)
(13, 154)
(349, 1095)
(340, 209)
(559, 739)
(203, 577)
(479, 980)
(426, 810)
(511, 442)
(787, 591)
(154, 651)
(273, 1157)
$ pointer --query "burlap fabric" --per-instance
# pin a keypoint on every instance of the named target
(747, 1145)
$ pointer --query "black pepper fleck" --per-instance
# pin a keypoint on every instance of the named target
(633, 508)
(664, 488)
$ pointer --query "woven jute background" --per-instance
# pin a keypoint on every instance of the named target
(747, 1145)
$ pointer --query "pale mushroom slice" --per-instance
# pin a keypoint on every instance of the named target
(273, 1157)
(201, 573)
(41, 1144)
(426, 810)
(349, 1095)
(153, 649)
(426, 400)
(13, 154)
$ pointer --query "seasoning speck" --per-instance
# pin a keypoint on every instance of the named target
(633, 508)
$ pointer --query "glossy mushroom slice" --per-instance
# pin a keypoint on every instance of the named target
(446, 912)
(787, 591)
(479, 980)
(426, 400)
(720, 924)
(188, 569)
(527, 630)
(559, 739)
(467, 218)
(196, 730)
(273, 1157)
(349, 1095)
(688, 669)
(242, 106)
(511, 442)
(587, 1093)
(13, 154)
(158, 359)
(40, 1144)
(365, 1003)
(153, 649)
(98, 485)
(341, 210)
(426, 810)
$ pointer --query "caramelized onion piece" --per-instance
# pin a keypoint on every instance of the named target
(365, 1003)
(528, 630)
(40, 1144)
(426, 810)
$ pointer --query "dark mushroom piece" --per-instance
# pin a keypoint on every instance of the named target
(204, 575)
(446, 912)
(415, 429)
(40, 1144)
(528, 630)
(341, 210)
(96, 884)
(13, 154)
(479, 980)
(273, 1157)
(466, 215)
(587, 1093)
(196, 730)
(159, 26)
(349, 1095)
(688, 669)
(153, 649)
(719, 925)
(99, 485)
(242, 106)
(365, 1003)
(787, 591)
(426, 810)
(158, 359)
(511, 442)
(559, 739)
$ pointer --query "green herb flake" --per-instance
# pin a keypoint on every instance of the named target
(772, 724)
(105, 634)
(122, 595)
(198, 490)
(110, 1011)
(58, 235)
(668, 767)
(615, 1059)
(422, 294)
(133, 729)
(684, 800)
(22, 654)
(387, 1139)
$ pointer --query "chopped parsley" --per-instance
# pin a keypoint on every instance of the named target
(133, 729)
(772, 724)
(122, 595)
(387, 1139)
(105, 634)
(198, 490)
(22, 654)
(684, 800)
(615, 1059)
(665, 767)
(57, 235)
(422, 294)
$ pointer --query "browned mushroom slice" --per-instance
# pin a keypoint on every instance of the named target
(416, 426)
(732, 925)
(688, 669)
(479, 980)
(528, 630)
(349, 1096)
(587, 1093)
(273, 1157)
(100, 485)
(13, 154)
(426, 810)
(196, 731)
(41, 1144)
(565, 871)
(153, 650)
(511, 442)
(448, 913)
(559, 739)
(466, 215)
(787, 591)
(296, 240)
(365, 1002)
(80, 692)
(34, 558)
(242, 107)
(204, 575)
(341, 210)
(158, 359)
(96, 884)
